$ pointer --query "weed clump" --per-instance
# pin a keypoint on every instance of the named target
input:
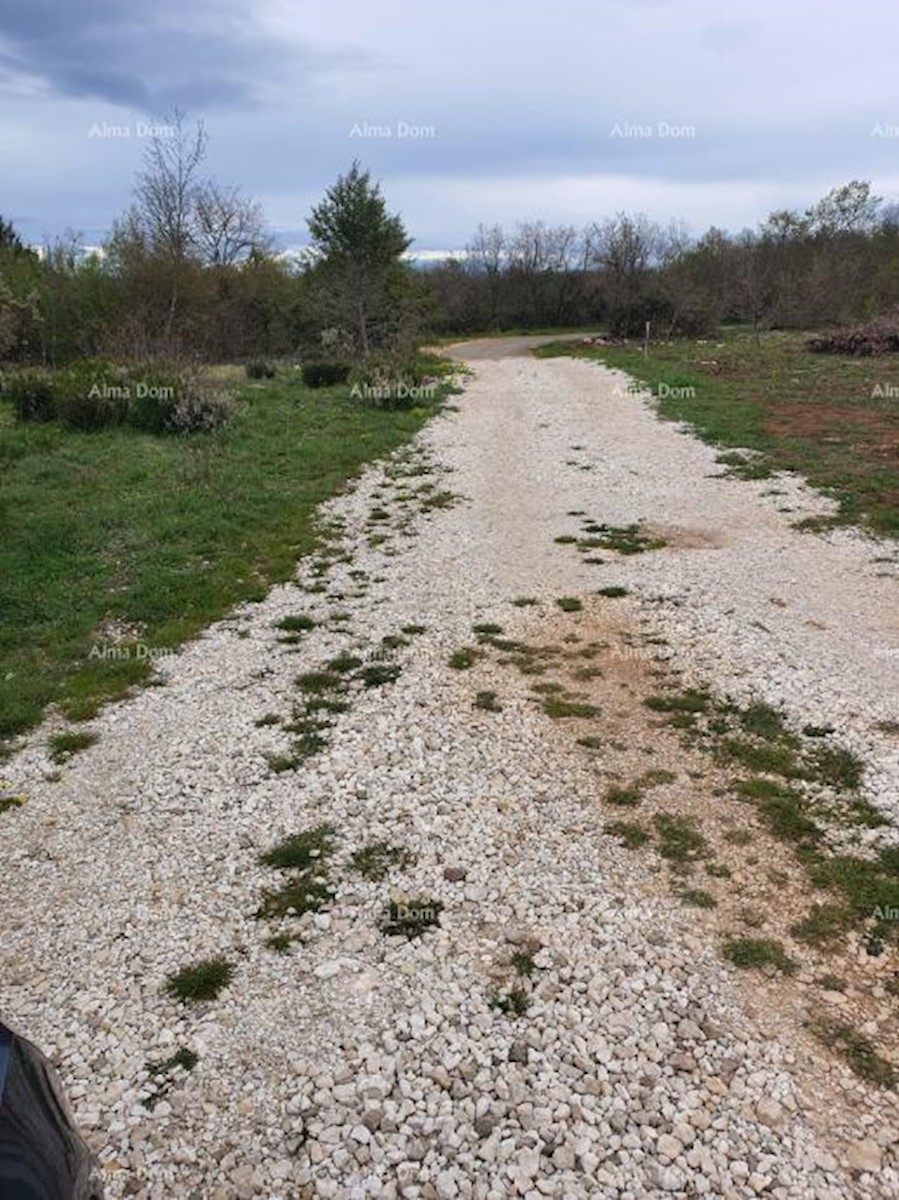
(410, 918)
(758, 952)
(631, 835)
(203, 981)
(513, 1003)
(376, 860)
(64, 745)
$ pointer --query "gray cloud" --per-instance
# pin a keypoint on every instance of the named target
(210, 54)
(777, 104)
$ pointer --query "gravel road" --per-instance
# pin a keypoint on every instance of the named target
(353, 1063)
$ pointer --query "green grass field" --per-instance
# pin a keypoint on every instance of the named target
(163, 534)
(833, 418)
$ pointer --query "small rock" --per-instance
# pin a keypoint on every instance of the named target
(518, 1052)
(669, 1147)
(770, 1113)
(864, 1155)
(455, 875)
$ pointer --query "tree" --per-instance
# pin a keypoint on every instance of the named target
(847, 209)
(166, 193)
(20, 283)
(228, 226)
(359, 249)
(625, 250)
(10, 240)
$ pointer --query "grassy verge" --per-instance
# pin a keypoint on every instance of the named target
(829, 417)
(155, 537)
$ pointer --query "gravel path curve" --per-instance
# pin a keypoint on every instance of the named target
(357, 1064)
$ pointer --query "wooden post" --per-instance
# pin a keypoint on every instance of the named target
(646, 341)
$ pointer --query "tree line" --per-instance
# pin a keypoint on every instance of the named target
(835, 262)
(191, 271)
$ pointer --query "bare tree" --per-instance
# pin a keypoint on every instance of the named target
(485, 258)
(228, 226)
(166, 196)
(626, 248)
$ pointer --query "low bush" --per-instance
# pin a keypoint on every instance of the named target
(259, 369)
(878, 336)
(31, 393)
(324, 374)
(95, 393)
(395, 381)
(91, 394)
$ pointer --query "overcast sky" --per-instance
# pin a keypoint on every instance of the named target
(474, 111)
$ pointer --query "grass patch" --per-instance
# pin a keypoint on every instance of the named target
(689, 701)
(559, 708)
(525, 601)
(836, 767)
(869, 887)
(307, 893)
(439, 500)
(376, 860)
(463, 658)
(523, 962)
(858, 1051)
(624, 797)
(63, 745)
(825, 924)
(318, 681)
(680, 842)
(297, 624)
(765, 758)
(301, 850)
(203, 981)
(413, 630)
(787, 820)
(613, 591)
(657, 777)
(758, 952)
(624, 539)
(342, 664)
(591, 743)
(379, 674)
(266, 720)
(697, 898)
(145, 531)
(487, 629)
(7, 803)
(183, 1059)
(411, 918)
(738, 837)
(629, 833)
(513, 1003)
(487, 702)
(569, 604)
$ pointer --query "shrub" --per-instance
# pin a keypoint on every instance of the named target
(203, 981)
(394, 381)
(32, 395)
(91, 394)
(878, 336)
(323, 374)
(168, 400)
(198, 409)
(259, 369)
(95, 393)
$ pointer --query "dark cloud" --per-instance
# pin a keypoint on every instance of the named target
(204, 55)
